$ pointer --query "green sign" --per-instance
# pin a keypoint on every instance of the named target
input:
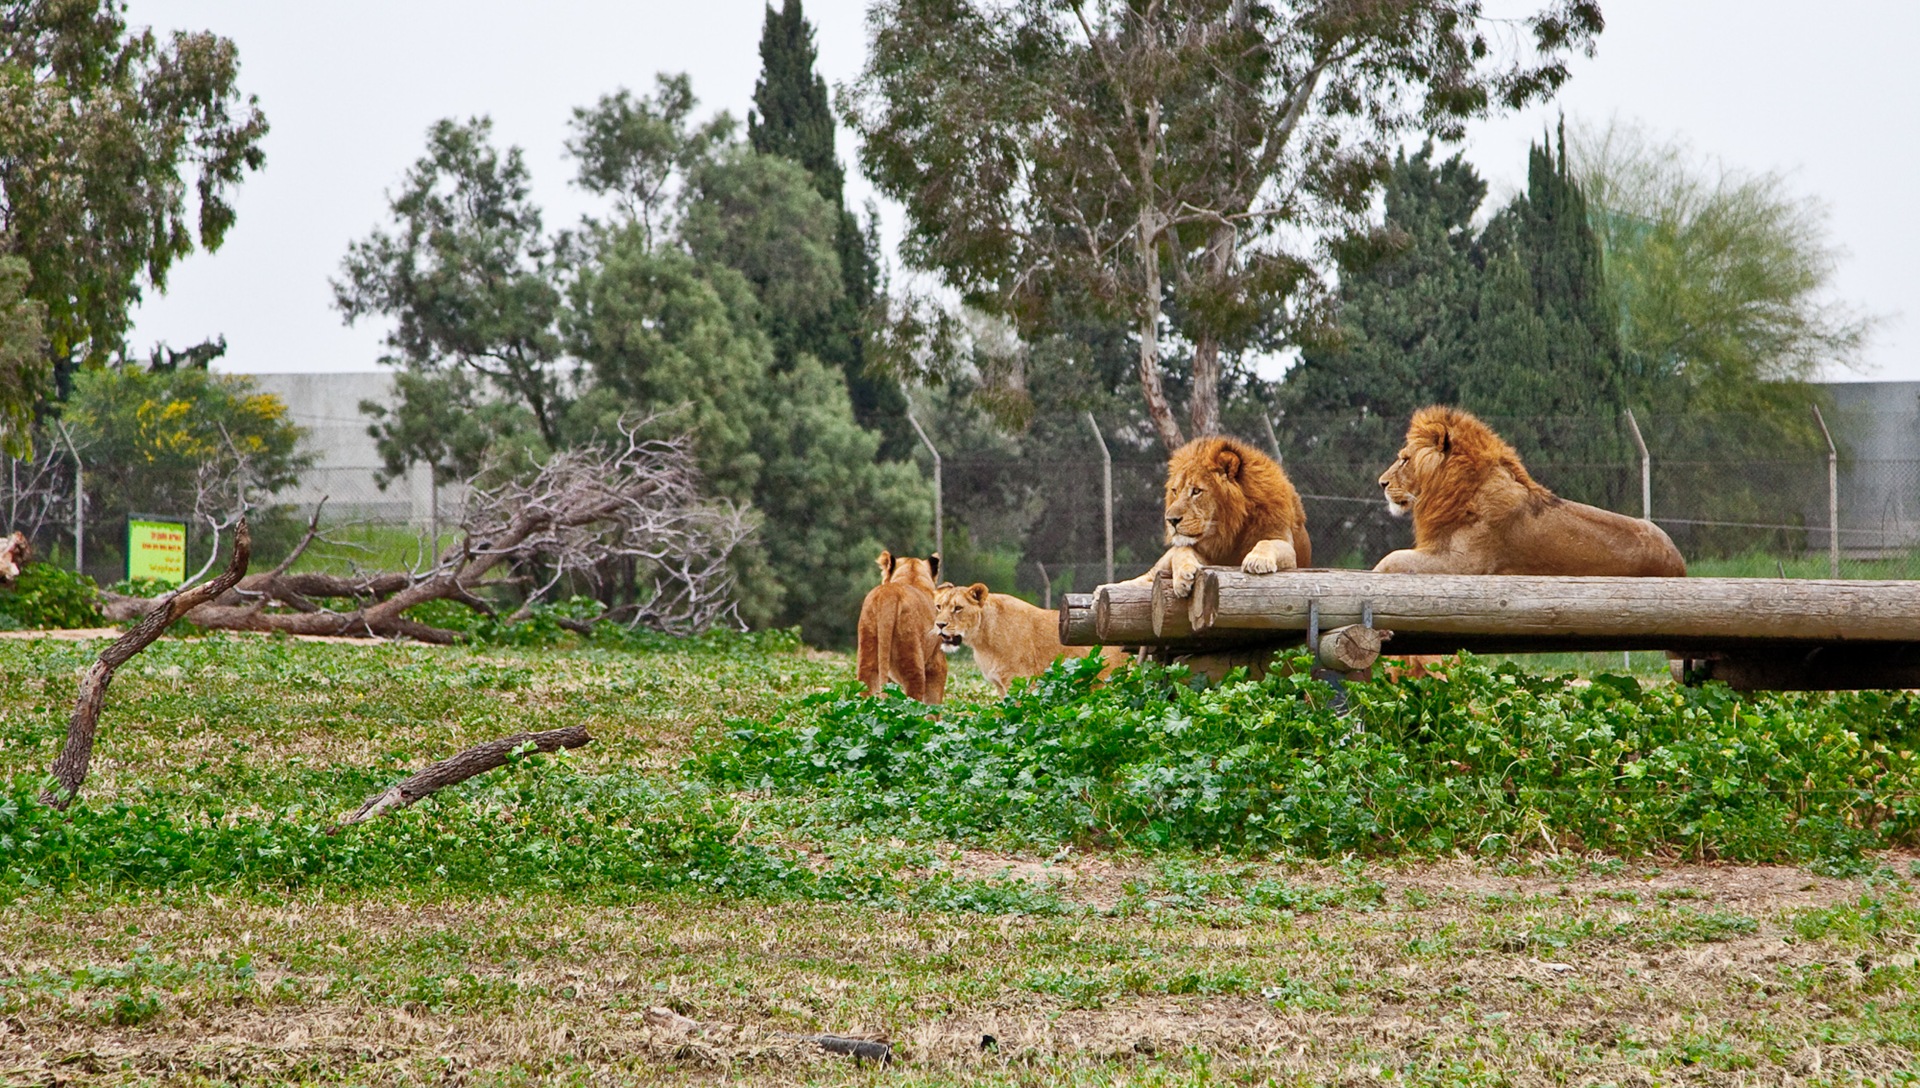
(157, 550)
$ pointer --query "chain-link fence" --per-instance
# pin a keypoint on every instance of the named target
(1032, 512)
(1740, 495)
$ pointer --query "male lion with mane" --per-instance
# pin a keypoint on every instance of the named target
(1476, 511)
(1229, 505)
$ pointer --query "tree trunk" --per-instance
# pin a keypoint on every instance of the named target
(1203, 409)
(70, 768)
(1147, 251)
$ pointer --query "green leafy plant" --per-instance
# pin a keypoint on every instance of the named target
(46, 597)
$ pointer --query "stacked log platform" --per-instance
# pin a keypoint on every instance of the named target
(1753, 633)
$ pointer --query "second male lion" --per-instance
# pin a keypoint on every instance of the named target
(896, 630)
(1010, 638)
(1229, 505)
(1476, 511)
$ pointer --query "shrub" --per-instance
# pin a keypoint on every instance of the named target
(1490, 760)
(46, 596)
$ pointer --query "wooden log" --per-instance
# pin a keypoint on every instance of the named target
(456, 769)
(69, 769)
(1076, 620)
(1852, 667)
(1123, 616)
(1433, 613)
(1349, 649)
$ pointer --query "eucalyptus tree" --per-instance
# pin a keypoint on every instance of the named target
(1173, 157)
(103, 128)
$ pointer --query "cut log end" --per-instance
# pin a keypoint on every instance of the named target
(1353, 648)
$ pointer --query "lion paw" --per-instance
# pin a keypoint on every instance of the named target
(1184, 573)
(1269, 556)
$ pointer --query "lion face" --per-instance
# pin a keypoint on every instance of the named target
(1195, 479)
(1397, 483)
(1419, 461)
(956, 613)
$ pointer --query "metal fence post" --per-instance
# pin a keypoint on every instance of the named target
(79, 504)
(1646, 469)
(1833, 496)
(939, 522)
(1106, 489)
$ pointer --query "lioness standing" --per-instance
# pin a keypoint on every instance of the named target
(1010, 638)
(1229, 505)
(1477, 511)
(896, 630)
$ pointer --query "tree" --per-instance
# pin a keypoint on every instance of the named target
(1546, 344)
(182, 441)
(635, 151)
(792, 119)
(467, 277)
(97, 125)
(1191, 146)
(24, 367)
(1721, 275)
(1408, 292)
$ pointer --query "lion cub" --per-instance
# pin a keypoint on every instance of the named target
(1229, 505)
(896, 630)
(1010, 638)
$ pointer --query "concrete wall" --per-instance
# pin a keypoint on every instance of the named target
(327, 407)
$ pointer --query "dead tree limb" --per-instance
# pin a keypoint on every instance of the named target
(637, 504)
(70, 768)
(454, 770)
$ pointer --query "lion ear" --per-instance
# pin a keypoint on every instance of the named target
(1446, 441)
(933, 566)
(1227, 463)
(977, 593)
(943, 585)
(886, 564)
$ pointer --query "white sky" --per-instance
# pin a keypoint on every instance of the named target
(1825, 94)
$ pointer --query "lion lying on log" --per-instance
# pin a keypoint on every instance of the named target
(1229, 505)
(1477, 511)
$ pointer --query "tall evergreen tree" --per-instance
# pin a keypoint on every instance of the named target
(1407, 296)
(1548, 346)
(792, 118)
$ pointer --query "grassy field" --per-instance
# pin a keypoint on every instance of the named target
(765, 863)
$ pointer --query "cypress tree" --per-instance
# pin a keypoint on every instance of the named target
(792, 118)
(1407, 295)
(1547, 367)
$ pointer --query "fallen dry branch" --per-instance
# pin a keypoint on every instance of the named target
(70, 768)
(637, 506)
(454, 770)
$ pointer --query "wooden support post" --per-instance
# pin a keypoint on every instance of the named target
(939, 517)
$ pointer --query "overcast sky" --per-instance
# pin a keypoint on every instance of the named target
(1826, 94)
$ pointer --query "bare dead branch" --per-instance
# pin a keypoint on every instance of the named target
(454, 770)
(70, 768)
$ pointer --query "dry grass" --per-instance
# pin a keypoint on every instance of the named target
(1448, 973)
(1548, 970)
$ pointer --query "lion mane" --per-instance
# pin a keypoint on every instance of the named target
(1228, 504)
(1476, 510)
